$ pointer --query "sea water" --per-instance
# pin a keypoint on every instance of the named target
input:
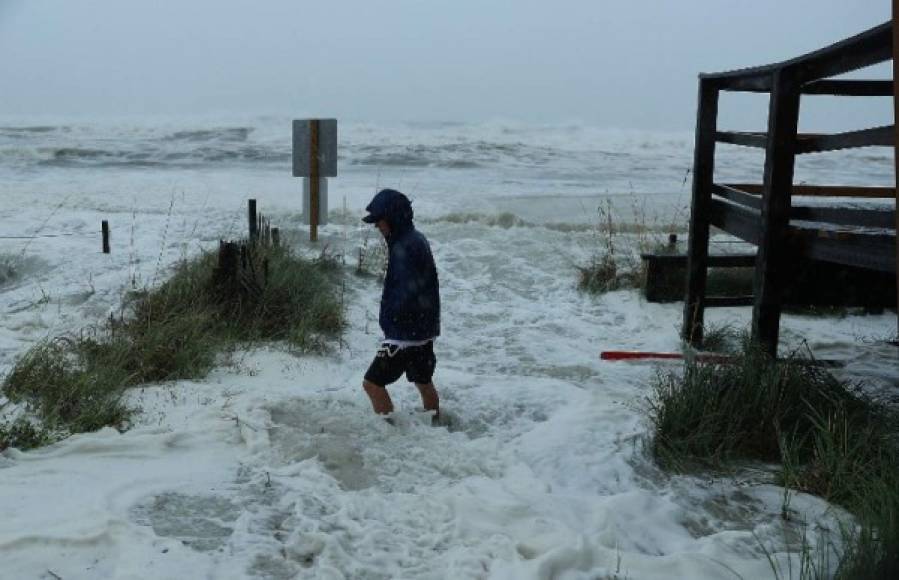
(542, 172)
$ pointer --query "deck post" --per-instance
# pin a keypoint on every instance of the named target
(895, 155)
(772, 260)
(698, 247)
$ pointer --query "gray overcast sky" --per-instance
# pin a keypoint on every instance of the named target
(616, 63)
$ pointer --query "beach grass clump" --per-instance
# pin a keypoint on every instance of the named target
(9, 268)
(23, 435)
(871, 548)
(612, 265)
(66, 391)
(301, 302)
(724, 338)
(604, 273)
(829, 437)
(615, 262)
(177, 331)
(746, 408)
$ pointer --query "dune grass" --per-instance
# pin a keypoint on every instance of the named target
(7, 270)
(830, 439)
(615, 262)
(605, 272)
(23, 435)
(175, 331)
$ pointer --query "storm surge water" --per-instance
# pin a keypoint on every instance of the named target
(474, 166)
(275, 467)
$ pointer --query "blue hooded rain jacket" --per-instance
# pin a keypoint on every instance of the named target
(410, 303)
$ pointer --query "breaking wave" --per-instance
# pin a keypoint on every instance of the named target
(148, 156)
(548, 158)
(26, 131)
(220, 134)
(463, 155)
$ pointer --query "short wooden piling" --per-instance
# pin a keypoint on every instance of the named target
(253, 220)
(105, 229)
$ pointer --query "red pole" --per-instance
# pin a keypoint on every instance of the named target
(617, 355)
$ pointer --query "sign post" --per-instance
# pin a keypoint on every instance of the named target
(313, 180)
(315, 159)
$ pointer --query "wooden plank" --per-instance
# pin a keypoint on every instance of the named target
(871, 251)
(816, 142)
(850, 88)
(865, 49)
(698, 246)
(751, 80)
(736, 220)
(719, 261)
(866, 218)
(737, 196)
(862, 50)
(771, 262)
(873, 137)
(869, 218)
(824, 190)
(745, 139)
(725, 301)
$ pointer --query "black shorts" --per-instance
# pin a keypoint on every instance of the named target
(391, 362)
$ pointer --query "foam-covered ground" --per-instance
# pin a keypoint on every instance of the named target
(275, 467)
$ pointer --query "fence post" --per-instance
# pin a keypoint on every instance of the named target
(105, 228)
(254, 224)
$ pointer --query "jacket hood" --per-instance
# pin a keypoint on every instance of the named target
(392, 206)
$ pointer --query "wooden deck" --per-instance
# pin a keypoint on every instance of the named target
(789, 222)
(843, 235)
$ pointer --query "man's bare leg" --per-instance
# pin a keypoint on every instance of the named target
(380, 398)
(429, 398)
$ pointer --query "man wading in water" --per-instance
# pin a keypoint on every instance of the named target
(410, 307)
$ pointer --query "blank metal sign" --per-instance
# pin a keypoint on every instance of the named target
(327, 147)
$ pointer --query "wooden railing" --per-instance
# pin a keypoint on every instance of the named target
(762, 213)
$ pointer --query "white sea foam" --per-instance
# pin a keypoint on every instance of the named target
(275, 467)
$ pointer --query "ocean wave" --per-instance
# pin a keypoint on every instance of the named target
(251, 153)
(80, 153)
(219, 134)
(393, 159)
(26, 131)
(567, 158)
(456, 155)
(148, 156)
